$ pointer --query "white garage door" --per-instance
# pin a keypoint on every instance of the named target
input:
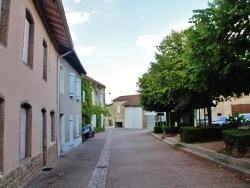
(133, 117)
(150, 121)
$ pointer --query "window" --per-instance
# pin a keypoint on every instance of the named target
(62, 74)
(28, 40)
(43, 130)
(72, 84)
(118, 109)
(77, 126)
(101, 100)
(83, 96)
(52, 120)
(93, 96)
(78, 89)
(1, 7)
(25, 131)
(4, 20)
(45, 52)
(1, 132)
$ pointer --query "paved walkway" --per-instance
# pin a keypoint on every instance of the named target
(209, 151)
(120, 158)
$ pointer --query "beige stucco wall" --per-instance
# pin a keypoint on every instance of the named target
(224, 108)
(119, 117)
(19, 82)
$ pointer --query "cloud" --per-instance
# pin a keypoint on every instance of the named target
(183, 24)
(77, 1)
(74, 18)
(82, 50)
(107, 1)
(73, 35)
(149, 43)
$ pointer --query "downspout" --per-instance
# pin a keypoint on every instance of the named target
(58, 98)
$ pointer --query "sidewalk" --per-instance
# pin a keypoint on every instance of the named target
(209, 151)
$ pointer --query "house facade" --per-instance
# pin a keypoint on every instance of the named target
(34, 36)
(128, 113)
(70, 118)
(231, 107)
(98, 98)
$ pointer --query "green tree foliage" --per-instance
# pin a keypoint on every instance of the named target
(218, 49)
(88, 108)
(164, 83)
(212, 57)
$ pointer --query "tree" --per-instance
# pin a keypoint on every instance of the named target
(217, 49)
(164, 84)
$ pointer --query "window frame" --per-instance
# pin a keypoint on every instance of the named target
(62, 79)
(28, 130)
(28, 47)
(2, 107)
(45, 61)
(72, 84)
(4, 22)
(52, 126)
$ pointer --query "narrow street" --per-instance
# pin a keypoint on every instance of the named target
(121, 158)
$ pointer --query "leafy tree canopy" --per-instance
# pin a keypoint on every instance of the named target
(164, 83)
(218, 49)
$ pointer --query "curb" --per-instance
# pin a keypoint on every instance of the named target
(239, 166)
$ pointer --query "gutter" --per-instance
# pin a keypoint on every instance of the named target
(58, 98)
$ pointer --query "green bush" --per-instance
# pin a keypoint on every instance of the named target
(158, 130)
(171, 130)
(201, 134)
(237, 139)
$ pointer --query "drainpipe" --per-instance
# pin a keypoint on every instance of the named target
(58, 97)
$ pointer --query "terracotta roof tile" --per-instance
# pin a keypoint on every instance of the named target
(131, 100)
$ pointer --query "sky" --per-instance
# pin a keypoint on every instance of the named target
(116, 40)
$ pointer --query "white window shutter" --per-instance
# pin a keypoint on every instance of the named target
(26, 41)
(78, 89)
(72, 85)
(83, 96)
(62, 75)
(77, 126)
(93, 96)
(101, 100)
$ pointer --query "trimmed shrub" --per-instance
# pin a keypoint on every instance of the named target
(201, 134)
(171, 130)
(237, 139)
(158, 130)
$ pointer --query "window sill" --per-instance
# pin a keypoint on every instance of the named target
(24, 160)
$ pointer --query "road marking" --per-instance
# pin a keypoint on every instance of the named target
(100, 174)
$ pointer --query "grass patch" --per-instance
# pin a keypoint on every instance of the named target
(179, 145)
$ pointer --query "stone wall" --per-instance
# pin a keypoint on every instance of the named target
(52, 153)
(22, 175)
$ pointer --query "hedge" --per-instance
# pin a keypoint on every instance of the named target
(201, 134)
(158, 129)
(237, 139)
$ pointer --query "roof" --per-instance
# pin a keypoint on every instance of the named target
(194, 101)
(131, 100)
(54, 19)
(94, 81)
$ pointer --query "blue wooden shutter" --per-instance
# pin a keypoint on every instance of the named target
(72, 85)
(78, 89)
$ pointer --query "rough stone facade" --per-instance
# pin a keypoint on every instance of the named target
(52, 153)
(22, 175)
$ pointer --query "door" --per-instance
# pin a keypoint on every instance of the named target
(133, 117)
(71, 130)
(61, 131)
(22, 133)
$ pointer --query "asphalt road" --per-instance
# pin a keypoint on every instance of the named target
(121, 158)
